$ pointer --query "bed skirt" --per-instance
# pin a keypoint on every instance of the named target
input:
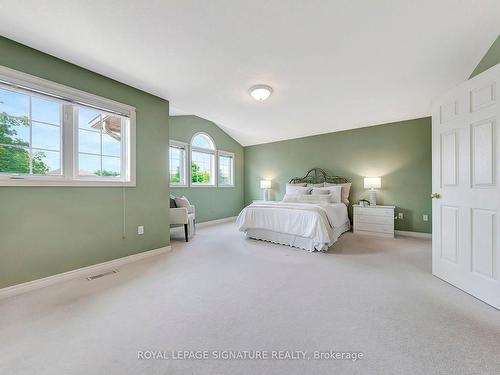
(296, 241)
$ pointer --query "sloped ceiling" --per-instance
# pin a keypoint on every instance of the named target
(334, 65)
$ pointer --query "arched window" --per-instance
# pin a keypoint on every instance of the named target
(203, 152)
(209, 166)
(202, 140)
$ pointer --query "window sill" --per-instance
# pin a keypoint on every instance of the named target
(203, 186)
(178, 186)
(65, 183)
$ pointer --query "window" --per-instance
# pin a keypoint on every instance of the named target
(99, 143)
(209, 167)
(54, 135)
(30, 134)
(226, 168)
(177, 155)
(202, 160)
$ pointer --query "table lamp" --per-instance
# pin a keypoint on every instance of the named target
(266, 185)
(372, 183)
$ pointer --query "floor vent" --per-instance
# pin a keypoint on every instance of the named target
(90, 278)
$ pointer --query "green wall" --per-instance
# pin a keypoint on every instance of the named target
(491, 58)
(399, 152)
(211, 202)
(49, 230)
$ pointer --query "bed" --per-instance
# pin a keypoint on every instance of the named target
(314, 224)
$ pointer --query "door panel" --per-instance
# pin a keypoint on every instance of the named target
(482, 97)
(449, 158)
(449, 233)
(484, 247)
(465, 172)
(483, 153)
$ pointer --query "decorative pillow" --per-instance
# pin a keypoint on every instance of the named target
(172, 201)
(307, 198)
(335, 191)
(296, 189)
(316, 185)
(320, 191)
(183, 202)
(346, 188)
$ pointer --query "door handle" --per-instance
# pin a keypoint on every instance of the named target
(435, 196)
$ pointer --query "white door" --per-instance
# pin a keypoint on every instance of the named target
(465, 183)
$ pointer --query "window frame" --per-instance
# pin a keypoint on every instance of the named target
(69, 98)
(213, 152)
(226, 154)
(184, 146)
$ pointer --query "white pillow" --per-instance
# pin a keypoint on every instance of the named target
(346, 188)
(335, 191)
(307, 198)
(320, 191)
(296, 189)
(183, 202)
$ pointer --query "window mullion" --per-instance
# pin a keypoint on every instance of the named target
(215, 162)
(68, 144)
(100, 142)
(30, 122)
(123, 154)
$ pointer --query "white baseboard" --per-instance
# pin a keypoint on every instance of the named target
(218, 221)
(79, 273)
(205, 224)
(405, 233)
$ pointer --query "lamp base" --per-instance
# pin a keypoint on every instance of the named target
(265, 194)
(373, 197)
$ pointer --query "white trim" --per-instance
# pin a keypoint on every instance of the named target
(405, 233)
(206, 223)
(217, 221)
(68, 96)
(79, 273)
(50, 87)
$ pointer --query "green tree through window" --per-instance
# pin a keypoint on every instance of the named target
(106, 173)
(176, 178)
(17, 159)
(197, 176)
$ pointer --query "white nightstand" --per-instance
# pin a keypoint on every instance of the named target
(374, 220)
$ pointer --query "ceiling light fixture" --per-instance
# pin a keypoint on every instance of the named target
(260, 92)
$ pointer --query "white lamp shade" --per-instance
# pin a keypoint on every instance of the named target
(372, 182)
(265, 184)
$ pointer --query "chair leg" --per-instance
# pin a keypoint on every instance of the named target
(186, 231)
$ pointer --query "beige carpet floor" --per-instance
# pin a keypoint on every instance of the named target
(223, 292)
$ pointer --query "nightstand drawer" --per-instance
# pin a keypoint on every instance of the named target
(373, 211)
(372, 219)
(379, 228)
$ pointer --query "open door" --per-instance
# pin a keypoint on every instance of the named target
(465, 183)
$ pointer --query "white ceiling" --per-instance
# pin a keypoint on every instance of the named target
(333, 65)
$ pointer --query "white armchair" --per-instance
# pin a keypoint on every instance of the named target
(185, 216)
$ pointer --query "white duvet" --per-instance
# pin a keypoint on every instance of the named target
(309, 220)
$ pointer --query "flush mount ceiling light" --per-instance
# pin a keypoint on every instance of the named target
(260, 92)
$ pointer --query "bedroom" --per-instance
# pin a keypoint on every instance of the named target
(110, 108)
